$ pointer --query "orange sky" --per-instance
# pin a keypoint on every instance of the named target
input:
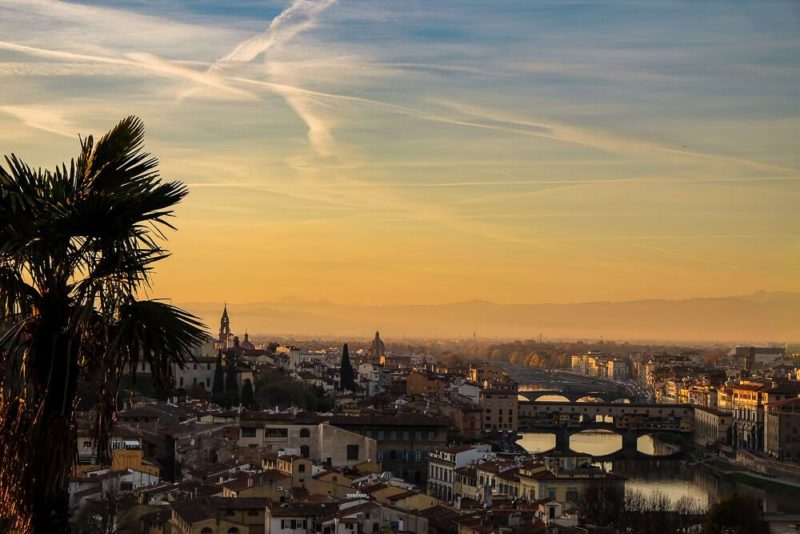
(382, 152)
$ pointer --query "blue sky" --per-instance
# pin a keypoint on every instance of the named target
(417, 151)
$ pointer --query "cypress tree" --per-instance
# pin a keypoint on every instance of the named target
(219, 376)
(248, 399)
(231, 387)
(346, 375)
(218, 388)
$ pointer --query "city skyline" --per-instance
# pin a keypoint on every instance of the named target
(394, 153)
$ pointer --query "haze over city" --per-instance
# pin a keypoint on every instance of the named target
(402, 153)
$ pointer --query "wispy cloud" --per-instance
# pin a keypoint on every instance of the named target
(46, 118)
(594, 138)
(169, 68)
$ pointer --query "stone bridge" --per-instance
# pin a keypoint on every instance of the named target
(575, 393)
(631, 421)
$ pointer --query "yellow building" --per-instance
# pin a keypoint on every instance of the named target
(126, 453)
(500, 406)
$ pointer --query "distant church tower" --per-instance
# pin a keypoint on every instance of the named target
(224, 339)
(377, 350)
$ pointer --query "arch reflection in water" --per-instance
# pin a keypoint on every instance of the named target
(593, 442)
(596, 442)
(536, 442)
(551, 398)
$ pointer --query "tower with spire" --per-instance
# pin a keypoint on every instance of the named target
(225, 336)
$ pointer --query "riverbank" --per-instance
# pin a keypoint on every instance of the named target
(736, 473)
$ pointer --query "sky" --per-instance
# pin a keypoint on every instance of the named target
(418, 152)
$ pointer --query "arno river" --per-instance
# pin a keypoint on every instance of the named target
(674, 478)
(671, 477)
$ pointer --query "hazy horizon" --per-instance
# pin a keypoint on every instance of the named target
(762, 317)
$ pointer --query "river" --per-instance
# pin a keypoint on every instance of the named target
(670, 477)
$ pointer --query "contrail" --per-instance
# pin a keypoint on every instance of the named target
(298, 17)
(139, 60)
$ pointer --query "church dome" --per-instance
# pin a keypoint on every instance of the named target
(246, 344)
(377, 348)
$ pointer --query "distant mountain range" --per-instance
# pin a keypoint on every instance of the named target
(760, 317)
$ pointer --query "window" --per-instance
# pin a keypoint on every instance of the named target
(301, 468)
(208, 382)
(181, 381)
(87, 444)
(352, 452)
(252, 512)
(418, 435)
(208, 367)
(431, 435)
(393, 435)
(393, 454)
(305, 433)
(276, 433)
(248, 432)
(206, 531)
(126, 486)
(233, 530)
(406, 435)
(380, 435)
(304, 452)
(194, 381)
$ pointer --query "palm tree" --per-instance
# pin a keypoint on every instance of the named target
(77, 246)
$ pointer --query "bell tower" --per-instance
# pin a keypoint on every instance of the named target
(224, 329)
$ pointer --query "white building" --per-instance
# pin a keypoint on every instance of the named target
(372, 378)
(442, 464)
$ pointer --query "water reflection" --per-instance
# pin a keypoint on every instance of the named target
(537, 442)
(673, 478)
(596, 442)
(552, 398)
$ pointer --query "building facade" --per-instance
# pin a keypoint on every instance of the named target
(442, 466)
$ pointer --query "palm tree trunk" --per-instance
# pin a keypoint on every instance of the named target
(55, 380)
